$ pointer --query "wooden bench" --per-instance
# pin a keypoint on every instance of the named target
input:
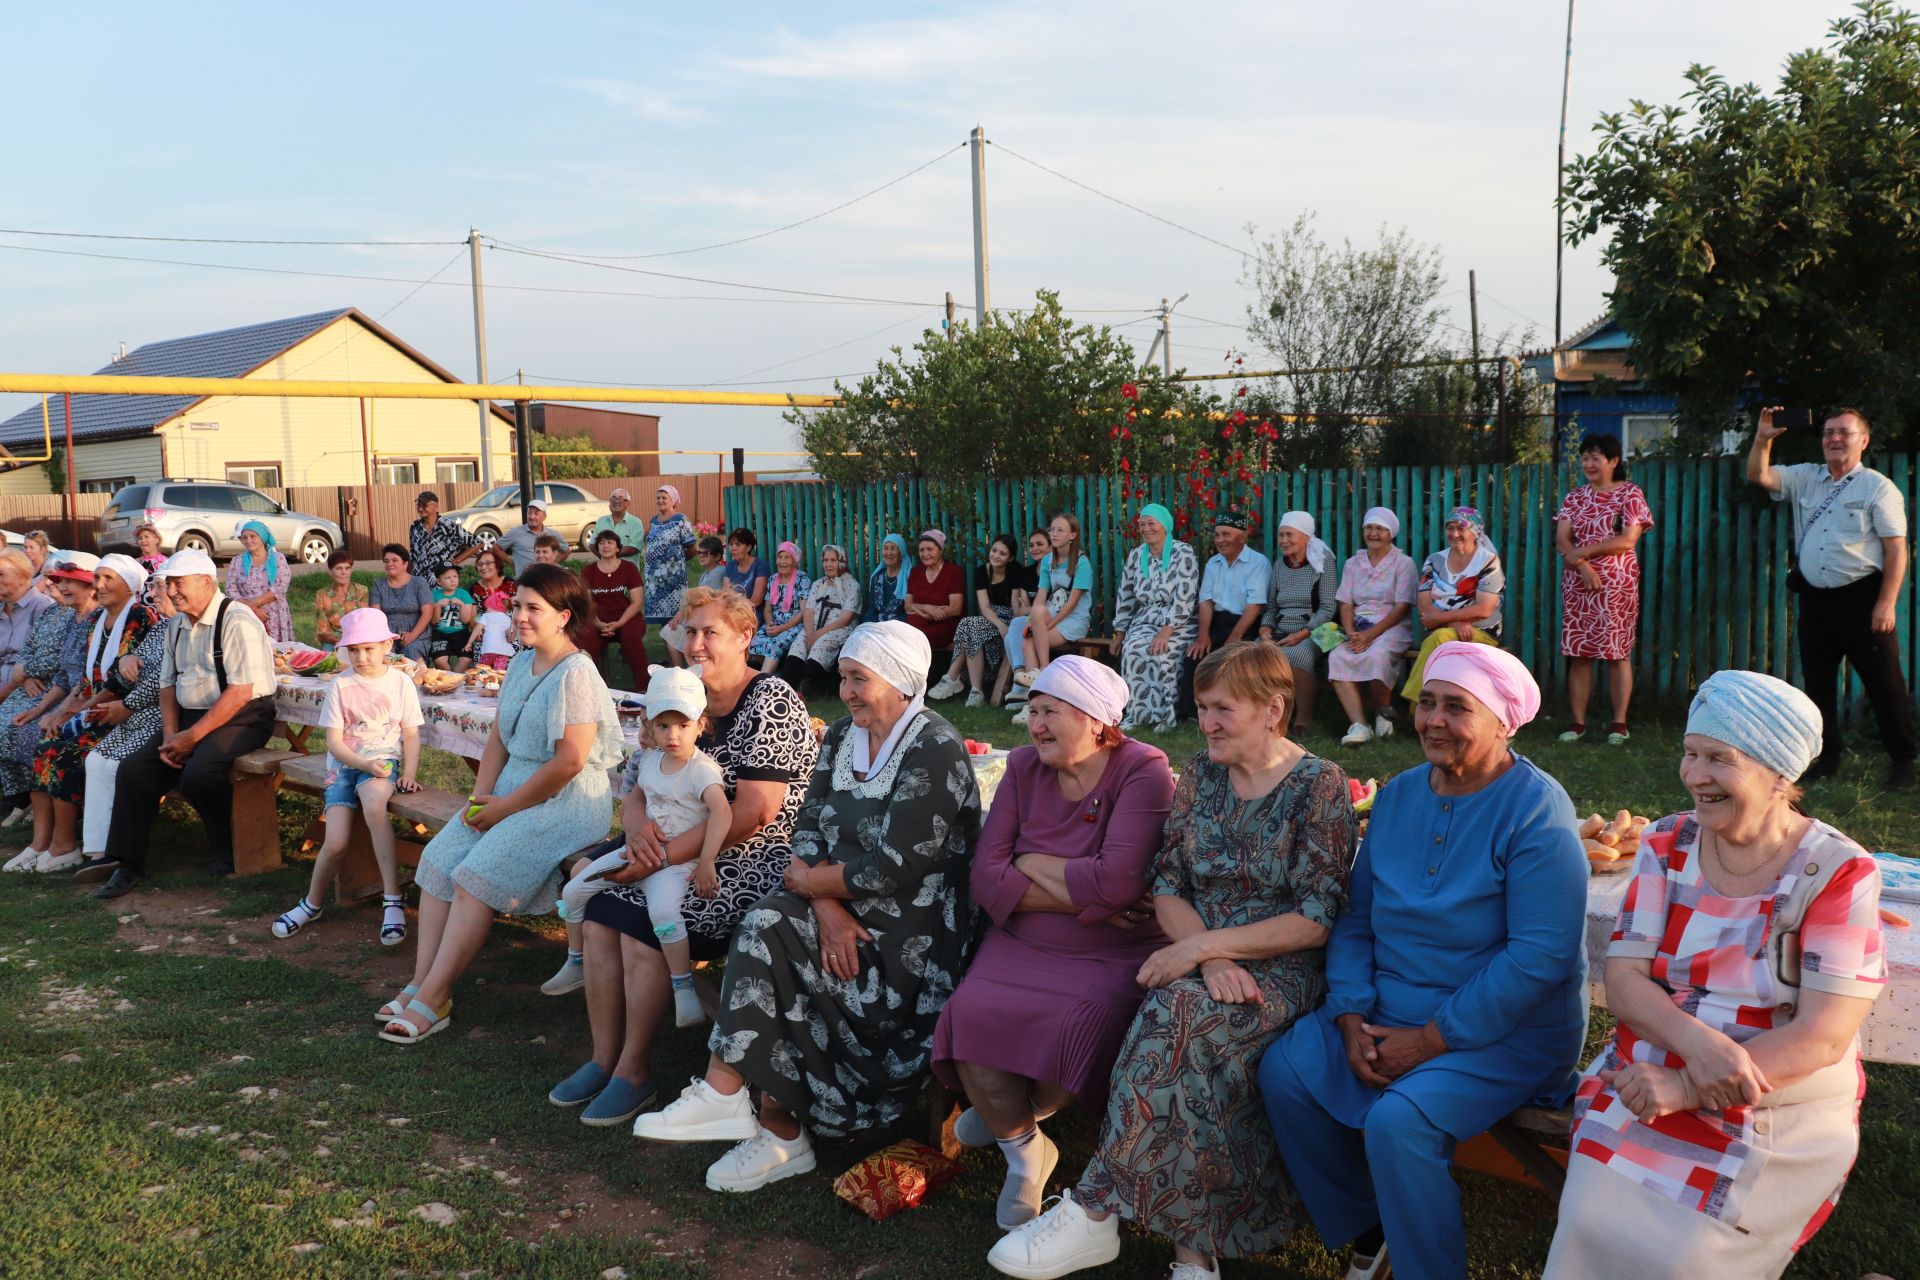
(426, 811)
(255, 778)
(1529, 1146)
(1095, 647)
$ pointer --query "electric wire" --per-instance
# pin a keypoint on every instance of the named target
(1198, 235)
(503, 247)
(101, 235)
(458, 254)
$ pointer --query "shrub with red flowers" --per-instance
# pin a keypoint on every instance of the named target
(1221, 457)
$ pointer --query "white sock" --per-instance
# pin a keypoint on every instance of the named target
(1022, 1152)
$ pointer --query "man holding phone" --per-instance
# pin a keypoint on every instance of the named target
(1850, 540)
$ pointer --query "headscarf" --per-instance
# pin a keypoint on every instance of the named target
(1085, 685)
(1318, 552)
(1766, 718)
(127, 569)
(1154, 511)
(1384, 517)
(792, 581)
(900, 655)
(103, 646)
(673, 494)
(833, 546)
(1484, 552)
(1499, 680)
(936, 537)
(1469, 516)
(266, 536)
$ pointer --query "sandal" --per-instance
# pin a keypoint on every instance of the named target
(396, 1006)
(291, 922)
(437, 1020)
(393, 922)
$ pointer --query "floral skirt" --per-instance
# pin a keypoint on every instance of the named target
(60, 765)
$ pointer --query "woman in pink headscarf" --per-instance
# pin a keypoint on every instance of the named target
(783, 611)
(670, 540)
(1456, 981)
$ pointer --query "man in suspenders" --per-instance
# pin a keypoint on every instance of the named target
(216, 704)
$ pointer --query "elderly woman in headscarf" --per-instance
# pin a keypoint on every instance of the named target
(1300, 596)
(936, 592)
(1376, 600)
(782, 612)
(1153, 618)
(670, 540)
(834, 983)
(258, 578)
(832, 611)
(1717, 1128)
(1459, 594)
(1456, 983)
(887, 584)
(1062, 870)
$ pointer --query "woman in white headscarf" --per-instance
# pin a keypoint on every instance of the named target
(834, 984)
(1301, 595)
(1376, 607)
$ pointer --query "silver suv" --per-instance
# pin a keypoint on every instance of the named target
(206, 515)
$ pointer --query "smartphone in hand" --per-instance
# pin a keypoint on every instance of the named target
(1794, 419)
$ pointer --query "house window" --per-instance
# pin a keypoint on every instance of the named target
(113, 485)
(456, 470)
(1643, 433)
(396, 472)
(255, 475)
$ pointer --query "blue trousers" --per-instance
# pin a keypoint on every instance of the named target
(1394, 1172)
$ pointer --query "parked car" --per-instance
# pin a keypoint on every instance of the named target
(571, 512)
(206, 515)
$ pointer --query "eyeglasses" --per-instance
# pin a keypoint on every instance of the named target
(1838, 433)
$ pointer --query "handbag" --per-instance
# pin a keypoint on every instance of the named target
(1796, 581)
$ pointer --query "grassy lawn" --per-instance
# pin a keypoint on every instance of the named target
(181, 1094)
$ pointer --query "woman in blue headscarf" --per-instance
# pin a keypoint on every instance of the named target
(887, 588)
(258, 578)
(1153, 618)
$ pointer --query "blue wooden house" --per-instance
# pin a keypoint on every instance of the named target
(1600, 390)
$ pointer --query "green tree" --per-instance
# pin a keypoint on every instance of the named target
(588, 468)
(1028, 394)
(1771, 239)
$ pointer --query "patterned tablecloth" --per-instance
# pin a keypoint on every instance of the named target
(458, 722)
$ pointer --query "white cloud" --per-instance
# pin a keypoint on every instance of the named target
(646, 102)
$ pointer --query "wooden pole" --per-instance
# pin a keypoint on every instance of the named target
(366, 465)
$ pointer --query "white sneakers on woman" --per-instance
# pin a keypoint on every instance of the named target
(1358, 735)
(700, 1114)
(1058, 1242)
(765, 1157)
(25, 860)
(1382, 727)
(947, 688)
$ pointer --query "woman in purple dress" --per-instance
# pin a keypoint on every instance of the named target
(1062, 868)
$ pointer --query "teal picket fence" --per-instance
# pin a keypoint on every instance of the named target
(1713, 568)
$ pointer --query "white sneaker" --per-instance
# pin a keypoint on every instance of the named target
(25, 860)
(1020, 716)
(17, 815)
(1194, 1271)
(700, 1114)
(686, 1008)
(1375, 1268)
(947, 687)
(1382, 727)
(978, 698)
(1060, 1241)
(763, 1158)
(1025, 677)
(571, 976)
(59, 861)
(1357, 735)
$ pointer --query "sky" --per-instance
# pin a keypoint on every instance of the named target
(616, 129)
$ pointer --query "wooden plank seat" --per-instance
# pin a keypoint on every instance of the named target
(255, 778)
(1095, 647)
(426, 811)
(1529, 1146)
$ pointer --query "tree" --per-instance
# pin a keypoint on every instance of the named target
(590, 468)
(1027, 394)
(1770, 240)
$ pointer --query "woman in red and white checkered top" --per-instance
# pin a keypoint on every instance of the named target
(1717, 1129)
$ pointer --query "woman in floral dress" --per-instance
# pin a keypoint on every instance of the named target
(1153, 619)
(340, 597)
(1595, 531)
(1250, 879)
(781, 613)
(37, 671)
(670, 538)
(130, 724)
(258, 577)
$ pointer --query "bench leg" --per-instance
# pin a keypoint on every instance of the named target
(1540, 1166)
(256, 824)
(359, 877)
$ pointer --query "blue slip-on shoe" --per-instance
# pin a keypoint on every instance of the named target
(617, 1103)
(580, 1087)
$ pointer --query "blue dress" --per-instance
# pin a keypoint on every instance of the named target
(771, 646)
(669, 539)
(1470, 912)
(886, 596)
(515, 866)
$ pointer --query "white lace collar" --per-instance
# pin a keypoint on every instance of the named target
(879, 782)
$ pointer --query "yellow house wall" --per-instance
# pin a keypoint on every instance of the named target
(318, 441)
(108, 460)
(25, 480)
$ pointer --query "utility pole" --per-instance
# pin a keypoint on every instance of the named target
(1166, 337)
(1473, 322)
(480, 357)
(982, 302)
(1559, 227)
(950, 313)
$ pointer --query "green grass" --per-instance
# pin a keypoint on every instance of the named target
(108, 1096)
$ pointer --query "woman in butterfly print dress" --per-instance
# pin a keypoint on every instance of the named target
(834, 984)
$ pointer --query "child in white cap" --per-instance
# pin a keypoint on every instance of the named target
(371, 713)
(683, 788)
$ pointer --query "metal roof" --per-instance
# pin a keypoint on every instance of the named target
(227, 353)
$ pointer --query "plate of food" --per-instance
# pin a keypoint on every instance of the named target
(1612, 843)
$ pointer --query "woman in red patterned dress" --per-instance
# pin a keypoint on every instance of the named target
(1594, 532)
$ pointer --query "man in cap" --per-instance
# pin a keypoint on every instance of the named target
(519, 542)
(630, 529)
(1233, 591)
(216, 704)
(437, 543)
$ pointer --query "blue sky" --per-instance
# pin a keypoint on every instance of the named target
(604, 128)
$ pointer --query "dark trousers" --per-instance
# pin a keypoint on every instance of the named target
(144, 779)
(632, 639)
(1837, 623)
(1217, 633)
(809, 677)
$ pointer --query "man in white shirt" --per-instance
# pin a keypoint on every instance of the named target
(1850, 541)
(216, 704)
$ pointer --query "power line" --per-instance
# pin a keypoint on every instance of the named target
(101, 235)
(1198, 235)
(761, 235)
(503, 247)
(886, 328)
(458, 254)
(765, 382)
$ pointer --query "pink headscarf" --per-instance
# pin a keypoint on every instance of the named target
(789, 583)
(1499, 680)
(673, 494)
(1085, 685)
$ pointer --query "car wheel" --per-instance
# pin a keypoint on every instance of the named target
(194, 542)
(586, 538)
(486, 535)
(315, 548)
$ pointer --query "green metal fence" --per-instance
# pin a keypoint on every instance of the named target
(1713, 587)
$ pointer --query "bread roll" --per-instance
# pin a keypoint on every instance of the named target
(1591, 826)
